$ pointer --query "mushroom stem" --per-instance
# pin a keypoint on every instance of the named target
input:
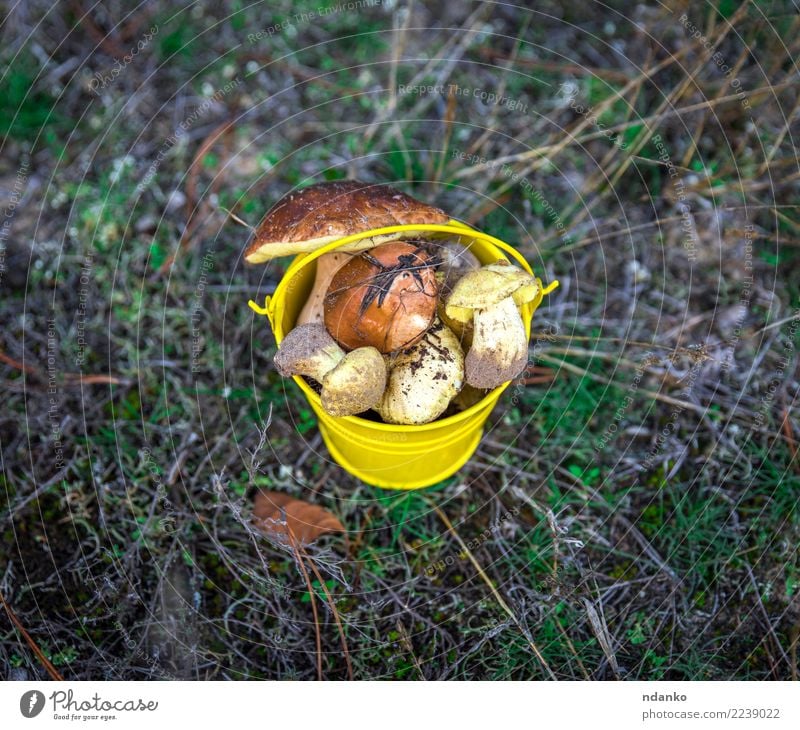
(327, 266)
(499, 349)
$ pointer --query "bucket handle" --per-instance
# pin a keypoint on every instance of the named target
(262, 311)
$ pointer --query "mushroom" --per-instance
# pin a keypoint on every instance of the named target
(307, 219)
(385, 298)
(423, 379)
(489, 297)
(351, 383)
(457, 260)
(462, 330)
(327, 265)
(468, 397)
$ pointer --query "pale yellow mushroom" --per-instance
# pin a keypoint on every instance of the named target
(489, 298)
(424, 378)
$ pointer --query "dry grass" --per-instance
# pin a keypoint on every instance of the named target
(650, 479)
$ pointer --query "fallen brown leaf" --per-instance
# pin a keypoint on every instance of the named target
(276, 513)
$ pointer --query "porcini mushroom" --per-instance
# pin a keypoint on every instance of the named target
(489, 297)
(424, 378)
(307, 219)
(351, 383)
(385, 298)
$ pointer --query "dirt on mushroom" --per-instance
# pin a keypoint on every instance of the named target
(424, 379)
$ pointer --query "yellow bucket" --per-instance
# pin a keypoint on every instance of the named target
(382, 454)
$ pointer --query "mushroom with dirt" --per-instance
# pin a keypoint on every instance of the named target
(489, 297)
(351, 382)
(424, 378)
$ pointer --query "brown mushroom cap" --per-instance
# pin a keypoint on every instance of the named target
(389, 310)
(307, 219)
